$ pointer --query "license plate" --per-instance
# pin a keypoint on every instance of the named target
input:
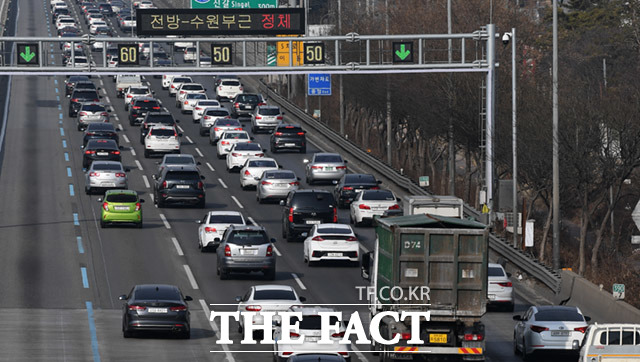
(314, 222)
(182, 186)
(334, 254)
(311, 338)
(157, 310)
(401, 356)
(248, 251)
(559, 333)
(281, 186)
(289, 144)
(121, 208)
(492, 297)
(108, 184)
(102, 153)
(328, 168)
(437, 338)
(247, 107)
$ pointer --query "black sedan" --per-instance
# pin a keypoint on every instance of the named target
(70, 83)
(350, 184)
(100, 149)
(100, 130)
(155, 307)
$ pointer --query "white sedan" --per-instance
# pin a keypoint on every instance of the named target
(331, 242)
(213, 225)
(227, 139)
(200, 106)
(190, 100)
(239, 153)
(253, 169)
(267, 298)
(369, 203)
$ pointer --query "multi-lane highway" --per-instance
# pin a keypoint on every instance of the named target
(62, 274)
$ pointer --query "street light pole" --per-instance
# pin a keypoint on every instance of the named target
(452, 157)
(389, 138)
(340, 76)
(514, 139)
(556, 170)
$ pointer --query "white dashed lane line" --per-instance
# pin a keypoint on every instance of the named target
(164, 221)
(189, 139)
(133, 152)
(198, 152)
(139, 165)
(297, 279)
(126, 139)
(216, 330)
(192, 280)
(177, 245)
(237, 202)
(222, 183)
(211, 167)
(180, 129)
(146, 181)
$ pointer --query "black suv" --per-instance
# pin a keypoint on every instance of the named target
(101, 130)
(139, 108)
(156, 119)
(70, 83)
(290, 137)
(100, 150)
(179, 185)
(305, 208)
(245, 103)
(80, 96)
(350, 184)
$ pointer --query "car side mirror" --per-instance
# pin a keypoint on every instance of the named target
(153, 92)
(272, 240)
(279, 166)
(201, 177)
(120, 148)
(98, 88)
(587, 318)
(109, 110)
(508, 275)
(302, 299)
(238, 299)
(345, 161)
(179, 134)
(264, 150)
(154, 177)
(82, 147)
(198, 221)
(99, 199)
(187, 298)
(251, 138)
(68, 95)
(177, 121)
(281, 202)
(379, 182)
(298, 178)
(283, 113)
(217, 240)
(365, 267)
(100, 97)
(198, 163)
(127, 169)
(123, 297)
(517, 317)
(304, 235)
(335, 182)
(305, 161)
(257, 178)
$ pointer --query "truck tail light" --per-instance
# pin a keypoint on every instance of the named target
(138, 206)
(405, 335)
(209, 229)
(227, 250)
(537, 329)
(364, 207)
(291, 214)
(198, 109)
(396, 207)
(105, 206)
(269, 250)
(335, 214)
(474, 336)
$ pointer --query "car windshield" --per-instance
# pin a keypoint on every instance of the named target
(106, 167)
(270, 111)
(162, 132)
(248, 98)
(181, 160)
(226, 219)
(381, 195)
(236, 135)
(333, 230)
(262, 163)
(270, 294)
(313, 321)
(328, 158)
(160, 118)
(230, 83)
(359, 179)
(93, 108)
(559, 315)
(249, 237)
(279, 175)
(613, 337)
(496, 272)
(122, 198)
(182, 175)
(246, 146)
(157, 294)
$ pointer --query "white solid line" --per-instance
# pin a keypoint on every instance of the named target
(165, 222)
(146, 181)
(216, 330)
(237, 202)
(139, 165)
(126, 139)
(252, 221)
(222, 183)
(364, 249)
(277, 251)
(211, 167)
(133, 152)
(199, 153)
(189, 139)
(192, 280)
(295, 276)
(177, 245)
(180, 129)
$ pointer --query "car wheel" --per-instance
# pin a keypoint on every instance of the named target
(525, 356)
(510, 307)
(139, 225)
(127, 333)
(131, 123)
(202, 204)
(309, 182)
(80, 128)
(312, 263)
(126, 107)
(219, 156)
(103, 224)
(203, 134)
(185, 334)
(224, 275)
(303, 150)
(253, 129)
(146, 153)
(260, 201)
(270, 274)
(71, 114)
(177, 104)
(160, 203)
(516, 351)
(273, 149)
(88, 190)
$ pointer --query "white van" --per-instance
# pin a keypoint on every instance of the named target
(611, 342)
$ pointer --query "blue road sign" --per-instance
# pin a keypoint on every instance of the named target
(319, 84)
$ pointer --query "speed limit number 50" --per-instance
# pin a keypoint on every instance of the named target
(221, 54)
(128, 54)
(313, 53)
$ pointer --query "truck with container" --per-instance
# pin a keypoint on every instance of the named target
(449, 206)
(448, 257)
(124, 81)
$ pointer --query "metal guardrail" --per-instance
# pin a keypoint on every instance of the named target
(330, 137)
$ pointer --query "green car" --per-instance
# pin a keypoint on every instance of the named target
(121, 206)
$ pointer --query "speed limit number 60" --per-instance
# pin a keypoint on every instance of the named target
(221, 54)
(128, 54)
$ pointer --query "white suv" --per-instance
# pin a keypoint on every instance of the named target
(228, 89)
(161, 139)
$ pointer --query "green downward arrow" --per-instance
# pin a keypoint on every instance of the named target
(403, 53)
(27, 55)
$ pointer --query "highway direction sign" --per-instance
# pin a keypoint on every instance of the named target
(618, 291)
(402, 52)
(28, 53)
(319, 84)
(234, 4)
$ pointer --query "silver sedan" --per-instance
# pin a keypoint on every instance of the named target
(276, 184)
(105, 175)
(325, 167)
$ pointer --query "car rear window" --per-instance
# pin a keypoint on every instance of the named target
(320, 199)
(157, 294)
(496, 272)
(192, 87)
(280, 175)
(93, 108)
(209, 103)
(269, 111)
(85, 94)
(77, 78)
(248, 237)
(106, 167)
(226, 219)
(358, 179)
(178, 160)
(246, 146)
(102, 143)
(93, 127)
(328, 158)
(313, 321)
(230, 83)
(289, 130)
(218, 112)
(248, 98)
(378, 195)
(85, 85)
(139, 91)
(182, 80)
(263, 163)
(614, 337)
(333, 230)
(182, 175)
(236, 135)
(163, 132)
(148, 104)
(160, 118)
(274, 294)
(557, 315)
(122, 198)
(196, 96)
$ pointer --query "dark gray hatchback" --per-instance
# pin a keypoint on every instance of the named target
(288, 137)
(246, 249)
(179, 185)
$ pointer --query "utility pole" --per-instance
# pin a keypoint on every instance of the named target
(514, 141)
(389, 136)
(452, 156)
(340, 76)
(556, 170)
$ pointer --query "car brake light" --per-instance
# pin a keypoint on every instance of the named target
(294, 183)
(264, 182)
(200, 185)
(241, 89)
(338, 335)
(539, 329)
(352, 238)
(182, 92)
(209, 229)
(316, 167)
(220, 88)
(198, 109)
(89, 152)
(291, 214)
(155, 107)
(137, 307)
(300, 133)
(164, 184)
(396, 207)
(279, 117)
(225, 142)
(136, 107)
(227, 250)
(129, 96)
(269, 250)
(405, 335)
(104, 114)
(335, 214)
(253, 308)
(238, 129)
(474, 337)
(581, 329)
(186, 102)
(179, 308)
(317, 238)
(105, 206)
(341, 167)
(138, 206)
(173, 86)
(120, 174)
(74, 99)
(375, 188)
(259, 155)
(363, 207)
(236, 105)
(82, 113)
(247, 173)
(262, 104)
(258, 117)
(235, 154)
(295, 335)
(94, 174)
(278, 134)
(347, 188)
(505, 284)
(214, 128)
(115, 152)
